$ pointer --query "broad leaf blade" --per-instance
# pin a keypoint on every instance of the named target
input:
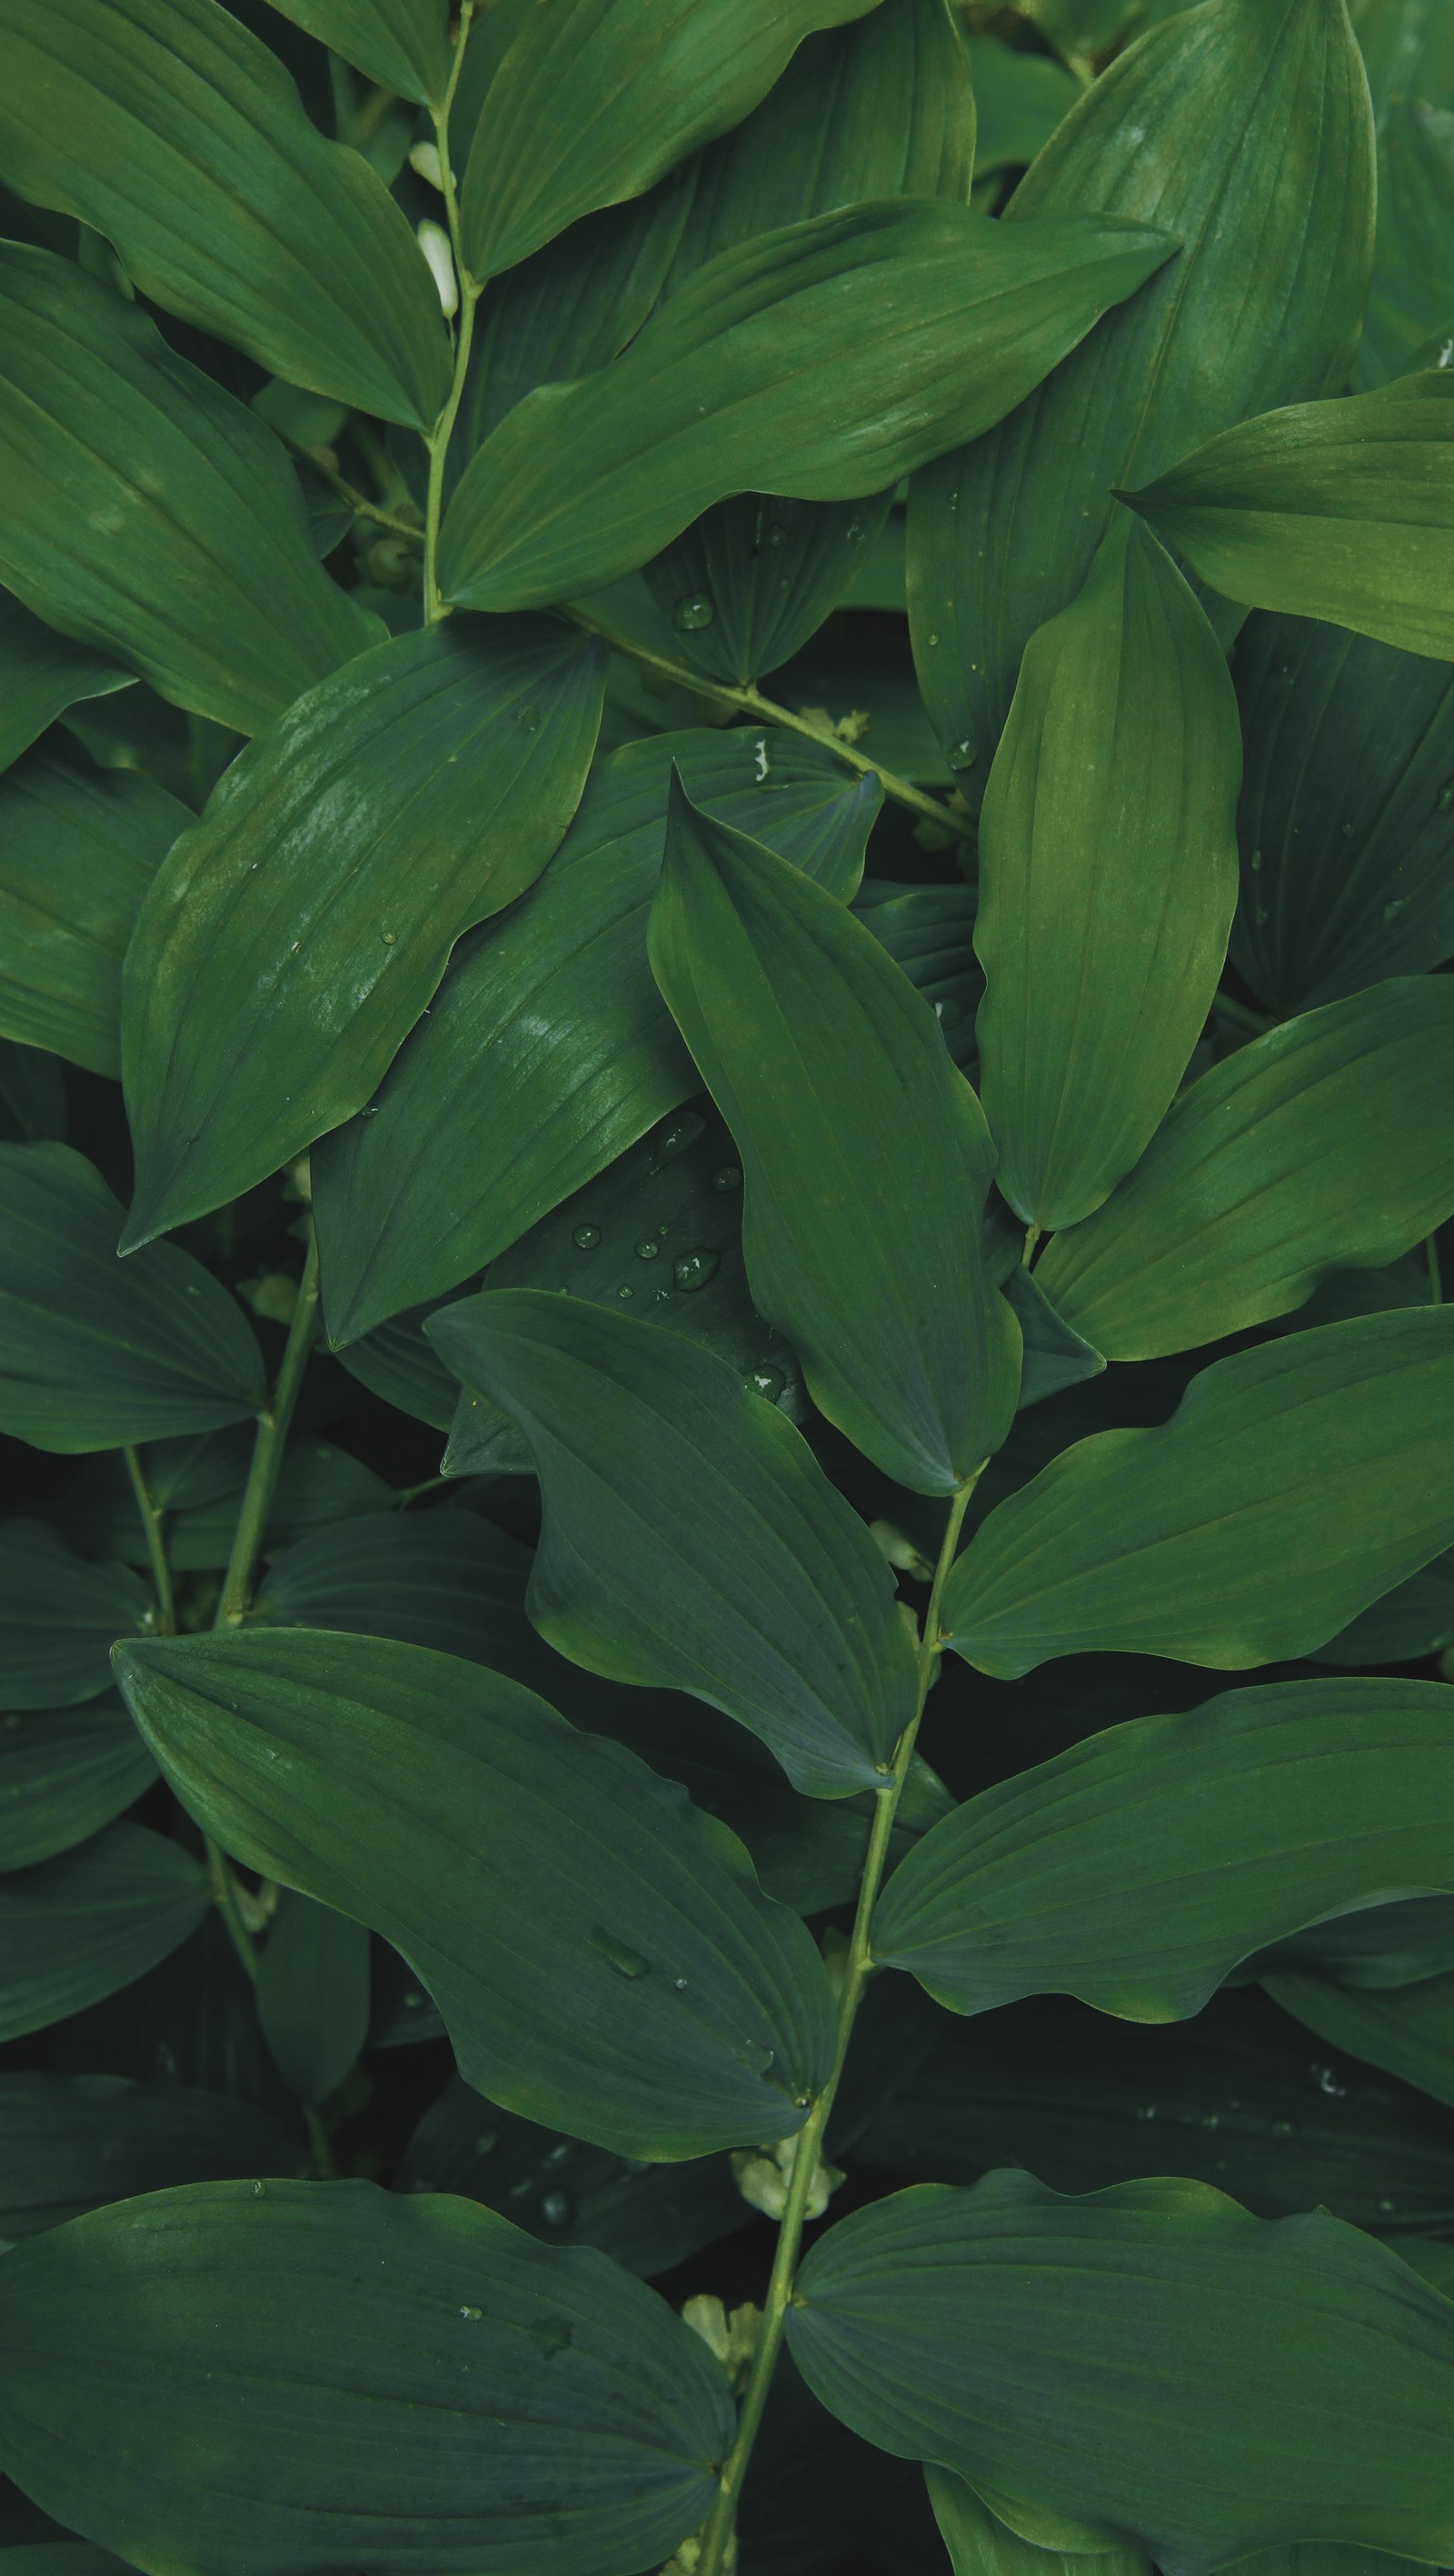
(313, 1994)
(1292, 1486)
(821, 361)
(1408, 2031)
(453, 2390)
(64, 1773)
(94, 1355)
(1326, 1144)
(1108, 879)
(850, 1121)
(60, 1615)
(83, 1925)
(73, 2142)
(177, 135)
(601, 1952)
(41, 674)
(691, 1541)
(979, 2544)
(277, 964)
(403, 45)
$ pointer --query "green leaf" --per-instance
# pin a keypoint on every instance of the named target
(691, 1541)
(65, 1772)
(1019, 101)
(1412, 293)
(929, 931)
(1293, 1485)
(148, 514)
(177, 135)
(1339, 510)
(1199, 2382)
(1108, 879)
(59, 1616)
(597, 98)
(395, 1361)
(78, 848)
(1055, 1356)
(850, 1121)
(403, 45)
(1243, 129)
(1397, 1944)
(1414, 1620)
(979, 2544)
(822, 360)
(1408, 46)
(1140, 1868)
(548, 1050)
(72, 2142)
(747, 583)
(446, 1579)
(1325, 1144)
(1408, 2031)
(93, 1355)
(455, 2393)
(313, 1994)
(601, 1952)
(448, 765)
(83, 1925)
(41, 674)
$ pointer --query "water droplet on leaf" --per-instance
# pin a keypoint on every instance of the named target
(694, 1269)
(626, 1961)
(694, 612)
(586, 1238)
(766, 1381)
(648, 1249)
(529, 719)
(556, 2209)
(728, 1178)
(675, 1137)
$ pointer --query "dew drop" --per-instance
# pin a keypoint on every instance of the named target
(775, 536)
(728, 1178)
(694, 1269)
(1328, 2083)
(1399, 904)
(625, 1961)
(694, 612)
(755, 2056)
(1283, 2129)
(785, 585)
(586, 1238)
(1260, 916)
(390, 938)
(1347, 831)
(626, 1290)
(766, 1381)
(259, 2191)
(680, 1984)
(1388, 2207)
(675, 1137)
(1446, 799)
(648, 1248)
(561, 2153)
(933, 639)
(486, 2142)
(473, 2314)
(1256, 861)
(529, 719)
(520, 2190)
(962, 754)
(853, 533)
(556, 2209)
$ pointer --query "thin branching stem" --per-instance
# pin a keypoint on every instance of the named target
(469, 295)
(156, 1545)
(268, 1447)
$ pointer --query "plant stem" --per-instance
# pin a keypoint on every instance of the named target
(410, 528)
(156, 1546)
(750, 701)
(718, 2529)
(225, 1898)
(267, 1455)
(1259, 1022)
(469, 296)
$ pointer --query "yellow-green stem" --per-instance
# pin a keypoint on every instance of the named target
(469, 296)
(156, 1545)
(267, 1454)
(1259, 1022)
(718, 2529)
(750, 701)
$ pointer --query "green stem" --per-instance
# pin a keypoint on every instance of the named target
(225, 1898)
(749, 701)
(469, 296)
(1431, 1264)
(267, 1455)
(718, 2529)
(156, 1546)
(366, 509)
(1032, 1237)
(1259, 1022)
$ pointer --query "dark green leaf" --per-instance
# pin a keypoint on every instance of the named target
(1292, 1486)
(74, 2142)
(1398, 1944)
(1414, 1620)
(396, 1362)
(824, 360)
(313, 1994)
(691, 1541)
(849, 1119)
(1412, 294)
(443, 1578)
(1339, 510)
(179, 137)
(148, 514)
(1108, 879)
(548, 1050)
(93, 1354)
(60, 1614)
(752, 579)
(65, 1772)
(82, 1925)
(601, 1953)
(1055, 1356)
(1329, 1142)
(402, 801)
(979, 2544)
(1019, 101)
(41, 674)
(1408, 46)
(401, 44)
(1033, 2343)
(34, 1106)
(1408, 2031)
(78, 848)
(929, 931)
(1140, 1868)
(454, 2395)
(1243, 129)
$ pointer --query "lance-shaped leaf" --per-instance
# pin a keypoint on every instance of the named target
(1408, 46)
(1339, 510)
(1108, 879)
(601, 1952)
(865, 1156)
(148, 514)
(313, 1994)
(596, 98)
(548, 1050)
(1198, 2382)
(821, 361)
(979, 2544)
(1140, 1868)
(64, 1773)
(1411, 296)
(1405, 1625)
(41, 674)
(454, 2394)
(93, 1356)
(691, 1540)
(177, 134)
(295, 936)
(81, 1926)
(1328, 1143)
(1243, 129)
(1293, 1485)
(78, 848)
(403, 45)
(60, 1615)
(72, 2142)
(1408, 2031)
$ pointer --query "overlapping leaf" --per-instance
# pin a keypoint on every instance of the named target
(979, 2544)
(401, 44)
(65, 1772)
(313, 1994)
(72, 2142)
(1406, 2030)
(41, 674)
(1411, 297)
(60, 1614)
(83, 1925)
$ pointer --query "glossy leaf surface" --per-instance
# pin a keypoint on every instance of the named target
(848, 1115)
(709, 2018)
(548, 1049)
(150, 516)
(177, 135)
(1292, 1486)
(921, 325)
(60, 1614)
(41, 674)
(65, 1772)
(1327, 1143)
(72, 2142)
(691, 1541)
(298, 932)
(906, 2316)
(457, 2395)
(1108, 879)
(94, 1354)
(1140, 1868)
(401, 44)
(82, 1925)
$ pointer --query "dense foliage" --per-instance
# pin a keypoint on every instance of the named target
(728, 780)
